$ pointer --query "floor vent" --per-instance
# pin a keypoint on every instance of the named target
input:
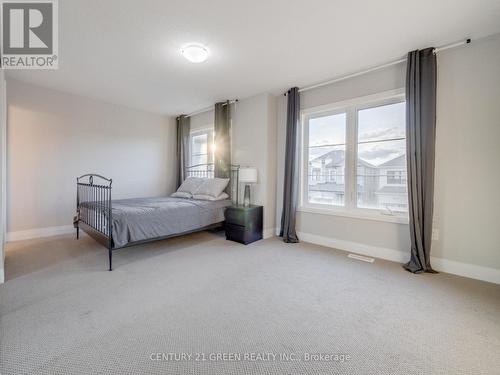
(361, 257)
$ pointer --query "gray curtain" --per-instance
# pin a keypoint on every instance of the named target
(222, 129)
(291, 181)
(183, 129)
(420, 144)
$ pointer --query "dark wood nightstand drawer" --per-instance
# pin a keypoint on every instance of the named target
(244, 224)
(242, 235)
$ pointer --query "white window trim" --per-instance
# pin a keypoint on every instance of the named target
(350, 107)
(359, 213)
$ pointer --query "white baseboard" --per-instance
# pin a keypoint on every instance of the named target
(355, 247)
(268, 233)
(469, 270)
(39, 232)
(472, 271)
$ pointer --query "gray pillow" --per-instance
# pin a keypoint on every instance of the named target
(210, 198)
(212, 186)
(190, 185)
(181, 194)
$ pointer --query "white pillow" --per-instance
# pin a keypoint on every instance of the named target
(190, 185)
(212, 186)
(210, 198)
(181, 194)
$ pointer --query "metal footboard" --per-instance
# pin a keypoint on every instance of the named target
(94, 210)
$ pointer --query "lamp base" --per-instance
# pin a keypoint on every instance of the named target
(246, 199)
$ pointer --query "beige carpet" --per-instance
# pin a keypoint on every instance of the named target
(61, 312)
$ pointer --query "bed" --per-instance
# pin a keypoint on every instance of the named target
(127, 222)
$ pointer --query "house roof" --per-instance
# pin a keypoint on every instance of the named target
(333, 164)
(399, 161)
(336, 156)
(338, 159)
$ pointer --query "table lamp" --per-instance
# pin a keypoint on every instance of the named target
(247, 175)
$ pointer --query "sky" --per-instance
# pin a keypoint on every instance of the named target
(374, 124)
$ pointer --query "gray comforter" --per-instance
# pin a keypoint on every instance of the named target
(141, 219)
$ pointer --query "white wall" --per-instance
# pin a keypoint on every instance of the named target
(467, 198)
(254, 144)
(53, 137)
(467, 186)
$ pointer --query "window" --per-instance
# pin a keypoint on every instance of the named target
(326, 159)
(396, 177)
(354, 156)
(381, 164)
(201, 147)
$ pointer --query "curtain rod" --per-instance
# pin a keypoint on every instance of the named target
(209, 108)
(378, 67)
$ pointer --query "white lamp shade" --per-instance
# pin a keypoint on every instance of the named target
(248, 175)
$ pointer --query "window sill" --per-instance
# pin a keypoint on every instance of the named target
(363, 215)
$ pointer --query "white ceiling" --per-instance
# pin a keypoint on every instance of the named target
(128, 52)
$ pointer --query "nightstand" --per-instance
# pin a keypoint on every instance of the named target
(244, 224)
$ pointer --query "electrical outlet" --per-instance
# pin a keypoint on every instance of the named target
(435, 234)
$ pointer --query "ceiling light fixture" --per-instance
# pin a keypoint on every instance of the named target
(195, 53)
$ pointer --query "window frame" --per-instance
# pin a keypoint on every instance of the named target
(350, 108)
(197, 132)
(305, 151)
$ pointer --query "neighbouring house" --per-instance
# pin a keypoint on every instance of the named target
(378, 186)
(392, 192)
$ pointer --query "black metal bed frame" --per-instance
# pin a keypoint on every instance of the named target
(94, 206)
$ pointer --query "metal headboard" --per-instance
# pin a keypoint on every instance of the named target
(208, 171)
